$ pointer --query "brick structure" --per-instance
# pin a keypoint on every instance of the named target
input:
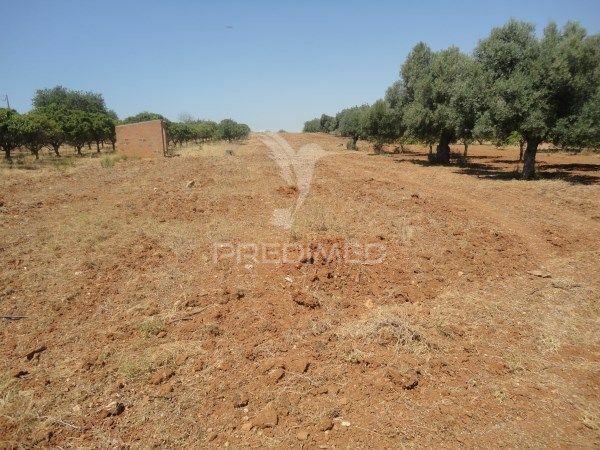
(143, 139)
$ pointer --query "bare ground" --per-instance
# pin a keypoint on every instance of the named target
(480, 328)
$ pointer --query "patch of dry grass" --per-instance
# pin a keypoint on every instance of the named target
(386, 326)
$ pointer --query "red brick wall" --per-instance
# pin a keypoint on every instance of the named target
(144, 139)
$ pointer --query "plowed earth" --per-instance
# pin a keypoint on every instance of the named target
(480, 327)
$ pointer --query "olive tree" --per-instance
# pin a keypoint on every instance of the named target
(328, 123)
(352, 123)
(540, 88)
(381, 124)
(312, 126)
(441, 104)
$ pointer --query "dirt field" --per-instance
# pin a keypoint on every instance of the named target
(480, 328)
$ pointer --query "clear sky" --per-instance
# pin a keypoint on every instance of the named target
(270, 64)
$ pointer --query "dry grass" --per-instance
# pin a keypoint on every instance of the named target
(386, 326)
(100, 271)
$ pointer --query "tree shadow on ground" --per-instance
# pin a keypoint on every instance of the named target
(422, 162)
(573, 166)
(506, 161)
(455, 155)
(493, 172)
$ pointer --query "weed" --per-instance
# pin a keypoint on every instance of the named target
(62, 163)
(150, 327)
(355, 356)
(107, 162)
(135, 368)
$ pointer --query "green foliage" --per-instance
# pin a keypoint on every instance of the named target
(442, 97)
(328, 123)
(62, 97)
(352, 123)
(516, 87)
(312, 126)
(584, 130)
(507, 57)
(230, 130)
(143, 117)
(10, 137)
(178, 133)
(61, 115)
(56, 119)
(382, 124)
(544, 89)
(514, 138)
(75, 117)
(205, 130)
(78, 128)
(34, 131)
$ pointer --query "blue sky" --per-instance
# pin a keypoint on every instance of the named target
(270, 64)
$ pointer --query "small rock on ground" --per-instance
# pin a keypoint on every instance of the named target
(161, 376)
(299, 365)
(302, 435)
(267, 418)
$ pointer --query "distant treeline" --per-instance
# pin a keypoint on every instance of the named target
(196, 130)
(62, 116)
(515, 87)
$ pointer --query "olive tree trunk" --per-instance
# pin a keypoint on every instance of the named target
(7, 154)
(466, 149)
(529, 159)
(443, 150)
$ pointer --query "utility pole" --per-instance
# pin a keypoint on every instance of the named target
(7, 101)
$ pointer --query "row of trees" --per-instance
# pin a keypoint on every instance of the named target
(514, 87)
(61, 116)
(188, 129)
